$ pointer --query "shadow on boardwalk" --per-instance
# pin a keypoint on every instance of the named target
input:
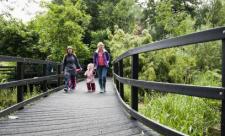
(77, 113)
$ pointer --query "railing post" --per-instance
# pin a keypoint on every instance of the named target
(19, 76)
(44, 83)
(117, 72)
(223, 85)
(113, 71)
(121, 75)
(134, 75)
(59, 72)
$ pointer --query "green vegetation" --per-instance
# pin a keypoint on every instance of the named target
(123, 25)
(9, 96)
(196, 115)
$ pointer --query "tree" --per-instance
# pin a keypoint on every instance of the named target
(63, 25)
(17, 40)
(217, 12)
(126, 14)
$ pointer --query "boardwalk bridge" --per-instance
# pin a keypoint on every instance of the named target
(81, 113)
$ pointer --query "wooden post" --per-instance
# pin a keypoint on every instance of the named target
(117, 71)
(134, 75)
(121, 75)
(20, 76)
(223, 85)
(44, 83)
(59, 72)
(114, 71)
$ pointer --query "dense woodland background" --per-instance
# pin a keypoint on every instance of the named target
(126, 24)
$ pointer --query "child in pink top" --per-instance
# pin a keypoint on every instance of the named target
(90, 73)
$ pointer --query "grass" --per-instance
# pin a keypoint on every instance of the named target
(8, 97)
(190, 115)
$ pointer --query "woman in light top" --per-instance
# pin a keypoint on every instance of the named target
(101, 61)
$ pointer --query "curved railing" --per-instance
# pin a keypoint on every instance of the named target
(190, 90)
(20, 82)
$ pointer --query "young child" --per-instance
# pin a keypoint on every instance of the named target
(90, 73)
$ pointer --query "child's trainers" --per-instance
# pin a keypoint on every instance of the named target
(66, 90)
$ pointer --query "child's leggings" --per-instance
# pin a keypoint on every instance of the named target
(91, 86)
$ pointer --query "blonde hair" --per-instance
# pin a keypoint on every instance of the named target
(100, 44)
(90, 65)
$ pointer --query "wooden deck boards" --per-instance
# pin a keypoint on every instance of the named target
(74, 114)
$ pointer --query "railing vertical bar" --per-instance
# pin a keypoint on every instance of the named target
(44, 74)
(223, 85)
(114, 70)
(121, 75)
(134, 75)
(59, 72)
(45, 82)
(117, 71)
(19, 76)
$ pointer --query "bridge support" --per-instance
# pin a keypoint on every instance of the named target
(223, 85)
(19, 76)
(121, 75)
(134, 75)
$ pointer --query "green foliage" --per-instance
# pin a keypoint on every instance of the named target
(7, 98)
(208, 78)
(61, 26)
(16, 39)
(125, 14)
(217, 11)
(187, 114)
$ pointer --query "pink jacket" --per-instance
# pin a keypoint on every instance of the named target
(90, 74)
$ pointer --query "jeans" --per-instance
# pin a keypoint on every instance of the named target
(70, 79)
(102, 73)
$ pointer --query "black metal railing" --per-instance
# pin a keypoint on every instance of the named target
(21, 82)
(190, 90)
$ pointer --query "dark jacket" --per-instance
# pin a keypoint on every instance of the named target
(72, 64)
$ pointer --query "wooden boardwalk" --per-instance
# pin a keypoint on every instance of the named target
(78, 113)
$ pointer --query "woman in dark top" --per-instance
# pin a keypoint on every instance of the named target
(70, 67)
